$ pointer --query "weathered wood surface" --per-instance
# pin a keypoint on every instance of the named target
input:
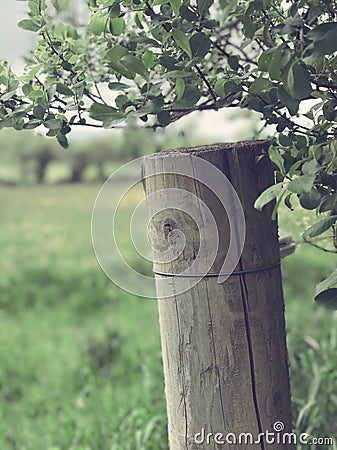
(224, 345)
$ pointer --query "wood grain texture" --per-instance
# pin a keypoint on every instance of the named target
(223, 345)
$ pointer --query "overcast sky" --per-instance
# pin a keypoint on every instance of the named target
(14, 42)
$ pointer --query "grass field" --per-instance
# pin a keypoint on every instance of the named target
(80, 359)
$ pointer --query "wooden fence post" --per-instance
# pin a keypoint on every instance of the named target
(223, 344)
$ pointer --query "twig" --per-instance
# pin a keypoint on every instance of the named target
(319, 247)
(204, 79)
(53, 49)
(278, 12)
(99, 94)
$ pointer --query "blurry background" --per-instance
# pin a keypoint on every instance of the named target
(80, 364)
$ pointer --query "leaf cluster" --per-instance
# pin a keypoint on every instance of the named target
(155, 61)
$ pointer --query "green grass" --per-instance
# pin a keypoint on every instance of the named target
(80, 359)
(311, 332)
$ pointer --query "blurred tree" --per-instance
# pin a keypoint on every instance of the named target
(43, 156)
(33, 155)
(79, 163)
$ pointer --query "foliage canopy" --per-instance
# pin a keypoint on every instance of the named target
(155, 61)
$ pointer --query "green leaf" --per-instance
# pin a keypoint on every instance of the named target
(134, 65)
(302, 184)
(260, 85)
(149, 59)
(276, 157)
(118, 118)
(324, 37)
(326, 292)
(209, 24)
(164, 118)
(62, 89)
(168, 62)
(329, 203)
(277, 205)
(36, 94)
(319, 227)
(34, 7)
(7, 96)
(32, 124)
(62, 140)
(28, 25)
(296, 81)
(115, 86)
(181, 39)
(32, 72)
(311, 167)
(117, 26)
(27, 89)
(180, 88)
(249, 27)
(315, 151)
(39, 112)
(122, 101)
(227, 6)
(97, 24)
(114, 10)
(53, 124)
(114, 56)
(101, 112)
(104, 113)
(116, 53)
(233, 62)
(188, 14)
(274, 67)
(144, 110)
(231, 88)
(177, 74)
(175, 5)
(203, 6)
(191, 95)
(219, 87)
(270, 61)
(268, 195)
(330, 111)
(293, 168)
(285, 140)
(287, 202)
(264, 60)
(200, 44)
(289, 102)
(310, 200)
(138, 20)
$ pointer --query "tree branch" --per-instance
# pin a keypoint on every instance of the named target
(204, 79)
